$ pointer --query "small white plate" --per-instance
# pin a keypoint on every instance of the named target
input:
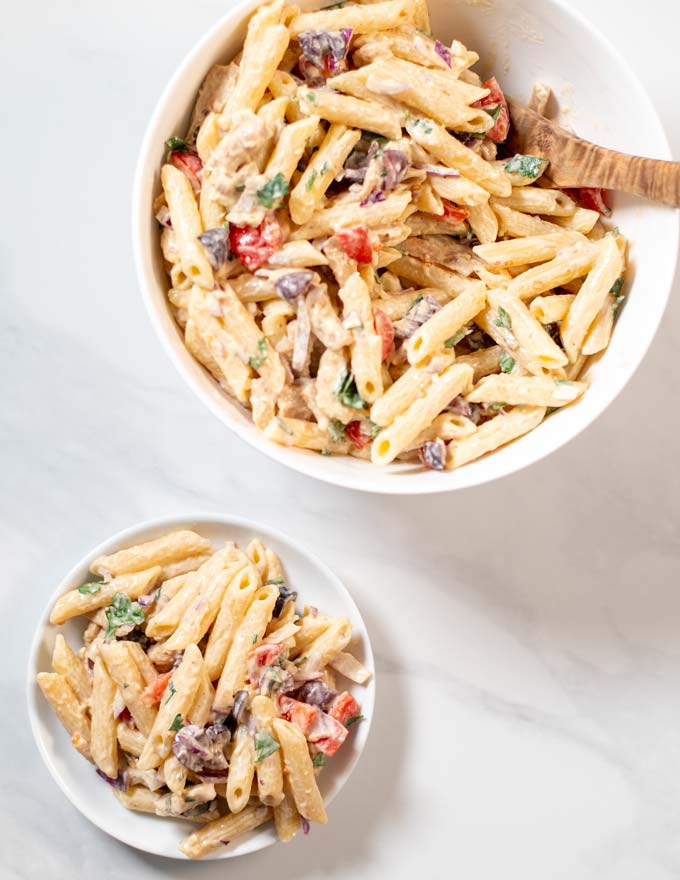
(316, 585)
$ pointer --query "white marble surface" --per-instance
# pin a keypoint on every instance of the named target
(528, 719)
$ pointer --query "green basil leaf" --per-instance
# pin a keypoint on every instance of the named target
(265, 745)
(91, 588)
(354, 719)
(318, 760)
(122, 612)
(346, 391)
(506, 363)
(503, 319)
(526, 166)
(176, 722)
(273, 190)
(256, 362)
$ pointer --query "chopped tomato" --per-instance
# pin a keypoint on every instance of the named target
(358, 434)
(344, 707)
(355, 242)
(191, 165)
(501, 127)
(591, 197)
(258, 659)
(452, 213)
(299, 714)
(153, 692)
(327, 734)
(383, 327)
(254, 245)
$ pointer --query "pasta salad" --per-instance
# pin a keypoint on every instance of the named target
(359, 259)
(199, 692)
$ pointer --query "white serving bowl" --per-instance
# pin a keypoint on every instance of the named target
(601, 99)
(316, 585)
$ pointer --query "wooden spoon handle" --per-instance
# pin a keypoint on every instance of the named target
(653, 179)
(575, 162)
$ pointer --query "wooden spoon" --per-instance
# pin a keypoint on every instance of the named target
(575, 162)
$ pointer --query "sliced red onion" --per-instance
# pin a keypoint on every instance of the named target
(293, 284)
(394, 167)
(148, 599)
(163, 216)
(198, 748)
(285, 595)
(120, 782)
(433, 454)
(443, 52)
(325, 49)
(118, 705)
(238, 710)
(213, 776)
(372, 198)
(421, 311)
(225, 842)
(463, 407)
(305, 825)
(303, 329)
(438, 170)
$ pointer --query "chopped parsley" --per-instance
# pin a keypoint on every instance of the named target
(423, 124)
(299, 660)
(256, 362)
(563, 382)
(176, 722)
(122, 612)
(265, 745)
(311, 97)
(176, 145)
(325, 168)
(503, 319)
(346, 391)
(373, 428)
(336, 429)
(416, 301)
(171, 691)
(279, 582)
(273, 190)
(318, 760)
(354, 719)
(254, 638)
(525, 166)
(495, 112)
(497, 407)
(506, 362)
(310, 180)
(240, 187)
(452, 341)
(89, 589)
(616, 293)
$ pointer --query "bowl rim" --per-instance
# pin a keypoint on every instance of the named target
(365, 478)
(190, 520)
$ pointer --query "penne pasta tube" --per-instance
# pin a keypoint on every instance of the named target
(534, 200)
(70, 712)
(483, 361)
(286, 816)
(104, 741)
(300, 771)
(437, 141)
(454, 380)
(235, 602)
(173, 710)
(570, 263)
(342, 214)
(89, 597)
(493, 434)
(526, 390)
(408, 388)
(241, 770)
(130, 739)
(169, 548)
(124, 671)
(187, 225)
(327, 645)
(182, 566)
(361, 19)
(65, 662)
(249, 632)
(442, 327)
(268, 768)
(510, 314)
(548, 309)
(531, 249)
(350, 111)
(223, 830)
(591, 297)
